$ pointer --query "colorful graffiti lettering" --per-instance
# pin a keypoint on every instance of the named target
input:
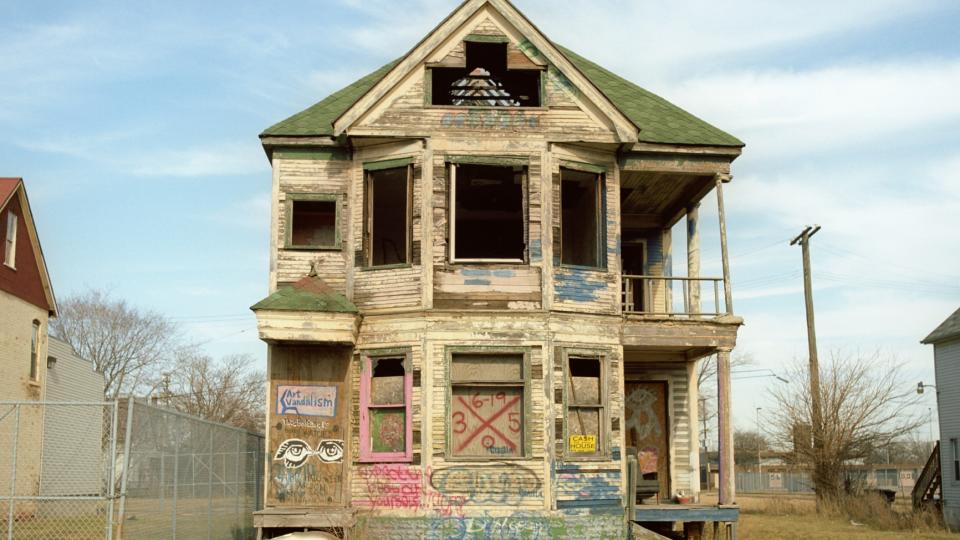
(307, 400)
(402, 486)
(480, 485)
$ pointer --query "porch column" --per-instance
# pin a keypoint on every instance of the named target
(693, 258)
(725, 439)
(727, 291)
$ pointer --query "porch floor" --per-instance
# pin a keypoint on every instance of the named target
(685, 512)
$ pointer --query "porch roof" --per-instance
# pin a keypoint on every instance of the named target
(309, 294)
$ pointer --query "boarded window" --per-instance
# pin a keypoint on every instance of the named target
(35, 351)
(486, 81)
(388, 216)
(487, 407)
(585, 410)
(313, 223)
(487, 213)
(10, 241)
(580, 197)
(385, 429)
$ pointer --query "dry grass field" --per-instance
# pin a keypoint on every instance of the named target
(794, 517)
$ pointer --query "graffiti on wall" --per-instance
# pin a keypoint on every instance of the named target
(520, 524)
(293, 453)
(481, 485)
(402, 486)
(307, 400)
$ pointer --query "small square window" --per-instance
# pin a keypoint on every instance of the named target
(313, 222)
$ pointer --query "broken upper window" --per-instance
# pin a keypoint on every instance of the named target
(388, 216)
(487, 220)
(486, 81)
(312, 221)
(581, 220)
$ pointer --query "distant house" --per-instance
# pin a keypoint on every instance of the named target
(946, 359)
(73, 434)
(26, 305)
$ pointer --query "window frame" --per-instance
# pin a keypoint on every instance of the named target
(605, 425)
(35, 351)
(526, 422)
(601, 239)
(514, 163)
(955, 460)
(368, 204)
(367, 357)
(291, 198)
(10, 240)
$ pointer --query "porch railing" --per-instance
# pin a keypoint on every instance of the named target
(654, 295)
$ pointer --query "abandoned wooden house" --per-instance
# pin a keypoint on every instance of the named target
(473, 326)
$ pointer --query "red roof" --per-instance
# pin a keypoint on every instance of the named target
(7, 185)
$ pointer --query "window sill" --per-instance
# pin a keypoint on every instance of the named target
(10, 266)
(33, 383)
(313, 248)
(506, 262)
(590, 459)
(602, 269)
(377, 460)
(485, 459)
(401, 266)
(484, 108)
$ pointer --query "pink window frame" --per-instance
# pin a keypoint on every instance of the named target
(366, 373)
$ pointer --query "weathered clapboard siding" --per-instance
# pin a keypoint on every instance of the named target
(947, 366)
(312, 176)
(682, 471)
(511, 287)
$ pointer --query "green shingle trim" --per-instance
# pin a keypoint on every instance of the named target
(486, 38)
(308, 294)
(583, 167)
(387, 164)
(659, 120)
(505, 161)
(318, 119)
(948, 329)
(333, 154)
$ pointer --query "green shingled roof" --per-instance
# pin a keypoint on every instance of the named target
(948, 329)
(308, 294)
(659, 120)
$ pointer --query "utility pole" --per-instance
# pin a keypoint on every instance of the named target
(817, 413)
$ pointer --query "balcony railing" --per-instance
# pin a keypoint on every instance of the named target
(654, 295)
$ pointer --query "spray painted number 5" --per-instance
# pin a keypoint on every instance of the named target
(459, 423)
(514, 419)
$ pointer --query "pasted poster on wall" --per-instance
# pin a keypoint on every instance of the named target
(309, 400)
(647, 428)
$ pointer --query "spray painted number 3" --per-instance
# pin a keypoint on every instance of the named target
(459, 423)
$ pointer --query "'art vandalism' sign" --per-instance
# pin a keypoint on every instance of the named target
(307, 400)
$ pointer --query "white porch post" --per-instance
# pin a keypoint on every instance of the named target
(727, 474)
(693, 257)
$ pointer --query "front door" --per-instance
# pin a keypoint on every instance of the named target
(647, 431)
(308, 425)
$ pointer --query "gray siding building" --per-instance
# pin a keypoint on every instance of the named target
(946, 354)
(73, 435)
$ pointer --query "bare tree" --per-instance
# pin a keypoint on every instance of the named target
(227, 392)
(707, 387)
(124, 343)
(747, 445)
(865, 408)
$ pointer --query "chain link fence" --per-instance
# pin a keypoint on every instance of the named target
(113, 470)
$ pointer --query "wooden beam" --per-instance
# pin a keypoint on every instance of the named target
(733, 151)
(675, 163)
(641, 221)
(725, 428)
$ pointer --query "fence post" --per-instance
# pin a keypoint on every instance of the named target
(13, 474)
(176, 475)
(209, 482)
(236, 476)
(113, 468)
(126, 468)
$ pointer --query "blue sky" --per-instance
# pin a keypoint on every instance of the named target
(135, 126)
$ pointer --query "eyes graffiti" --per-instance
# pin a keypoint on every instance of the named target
(294, 452)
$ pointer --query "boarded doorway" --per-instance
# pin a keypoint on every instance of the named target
(647, 430)
(307, 425)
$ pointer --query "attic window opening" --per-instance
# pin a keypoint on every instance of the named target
(486, 80)
(488, 216)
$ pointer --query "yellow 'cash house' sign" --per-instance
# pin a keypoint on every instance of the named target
(586, 444)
